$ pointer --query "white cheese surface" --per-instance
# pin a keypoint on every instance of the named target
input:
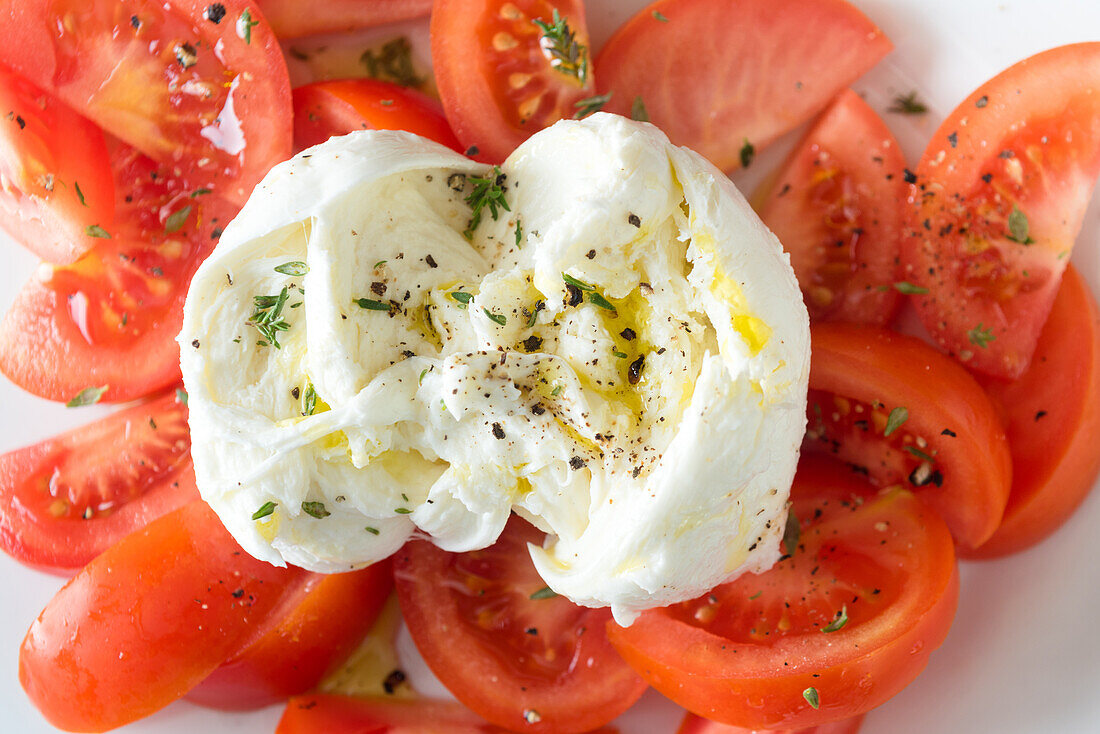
(625, 364)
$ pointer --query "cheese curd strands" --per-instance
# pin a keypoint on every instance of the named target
(620, 355)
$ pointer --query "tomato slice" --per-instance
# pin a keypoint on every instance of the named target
(329, 616)
(503, 78)
(1053, 422)
(55, 173)
(1001, 192)
(539, 664)
(716, 77)
(837, 205)
(905, 414)
(325, 714)
(324, 109)
(693, 724)
(67, 499)
(293, 18)
(190, 83)
(102, 654)
(878, 571)
(110, 319)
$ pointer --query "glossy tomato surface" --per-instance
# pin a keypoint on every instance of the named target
(325, 714)
(338, 107)
(999, 197)
(693, 724)
(65, 500)
(56, 171)
(507, 646)
(294, 18)
(904, 414)
(844, 621)
(1052, 417)
(719, 77)
(837, 205)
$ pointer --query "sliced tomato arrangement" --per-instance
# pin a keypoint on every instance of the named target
(67, 499)
(293, 18)
(327, 714)
(110, 319)
(338, 107)
(837, 205)
(999, 198)
(693, 724)
(202, 601)
(505, 645)
(325, 620)
(506, 70)
(904, 414)
(191, 84)
(686, 65)
(1052, 414)
(56, 173)
(842, 622)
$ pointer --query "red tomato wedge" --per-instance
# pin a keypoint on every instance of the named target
(190, 83)
(110, 319)
(294, 18)
(716, 74)
(324, 109)
(55, 170)
(147, 620)
(1053, 422)
(328, 617)
(326, 714)
(522, 661)
(837, 205)
(501, 76)
(843, 622)
(1001, 192)
(693, 724)
(66, 500)
(907, 415)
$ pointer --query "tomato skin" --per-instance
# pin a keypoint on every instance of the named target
(119, 656)
(837, 206)
(293, 18)
(326, 714)
(67, 499)
(474, 71)
(714, 102)
(502, 653)
(693, 724)
(1053, 422)
(889, 559)
(1028, 140)
(947, 410)
(175, 84)
(328, 108)
(329, 617)
(47, 152)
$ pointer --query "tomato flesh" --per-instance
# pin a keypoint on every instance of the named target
(325, 714)
(946, 441)
(329, 617)
(693, 724)
(837, 207)
(55, 173)
(714, 82)
(749, 652)
(514, 657)
(324, 109)
(498, 80)
(1000, 196)
(67, 499)
(293, 18)
(188, 87)
(118, 655)
(1052, 414)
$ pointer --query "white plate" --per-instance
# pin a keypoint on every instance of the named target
(1024, 653)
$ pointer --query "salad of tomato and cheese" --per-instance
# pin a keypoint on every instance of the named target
(473, 395)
